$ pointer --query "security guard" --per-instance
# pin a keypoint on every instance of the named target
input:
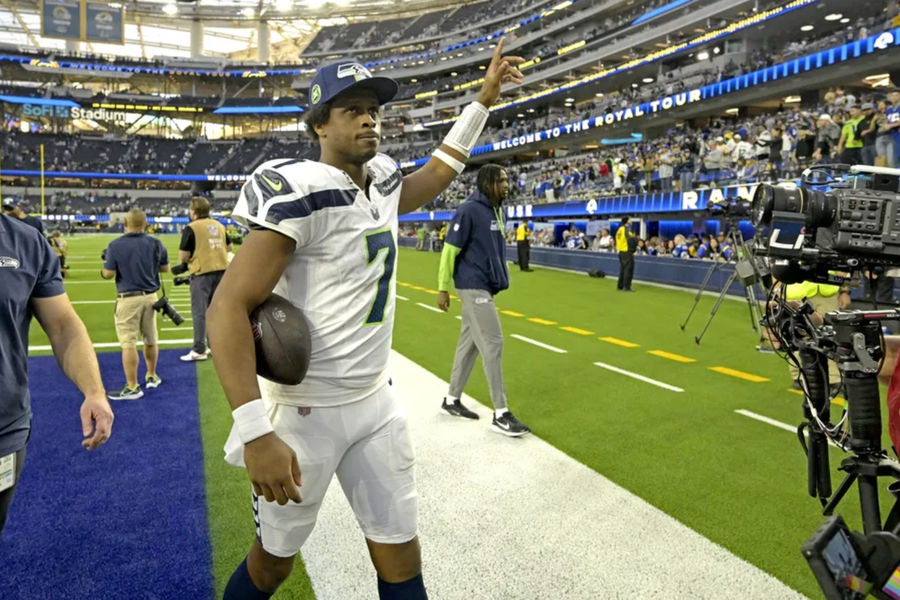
(523, 245)
(626, 244)
(474, 255)
(204, 247)
(31, 285)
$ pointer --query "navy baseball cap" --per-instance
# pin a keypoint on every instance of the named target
(339, 77)
(11, 202)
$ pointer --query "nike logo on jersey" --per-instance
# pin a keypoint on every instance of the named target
(271, 183)
(275, 185)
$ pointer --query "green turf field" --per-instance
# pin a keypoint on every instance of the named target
(738, 481)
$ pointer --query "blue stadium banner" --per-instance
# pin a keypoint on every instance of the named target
(637, 204)
(62, 19)
(103, 23)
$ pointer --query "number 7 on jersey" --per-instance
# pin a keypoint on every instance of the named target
(376, 243)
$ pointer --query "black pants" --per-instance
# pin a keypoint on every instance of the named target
(202, 289)
(6, 496)
(524, 248)
(626, 270)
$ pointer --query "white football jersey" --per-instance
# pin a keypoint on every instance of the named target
(342, 274)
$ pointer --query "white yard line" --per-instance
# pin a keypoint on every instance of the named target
(639, 377)
(431, 308)
(115, 344)
(539, 344)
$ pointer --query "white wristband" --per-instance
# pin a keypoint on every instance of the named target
(448, 160)
(468, 127)
(252, 421)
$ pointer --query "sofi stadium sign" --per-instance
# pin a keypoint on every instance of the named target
(74, 112)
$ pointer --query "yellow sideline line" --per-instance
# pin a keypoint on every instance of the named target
(618, 342)
(671, 356)
(541, 321)
(512, 313)
(739, 374)
(576, 330)
(839, 400)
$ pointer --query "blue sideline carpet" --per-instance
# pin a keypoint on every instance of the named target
(125, 521)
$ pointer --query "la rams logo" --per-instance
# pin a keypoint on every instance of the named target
(316, 94)
(354, 70)
(884, 41)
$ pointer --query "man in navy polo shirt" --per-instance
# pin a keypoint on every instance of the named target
(14, 208)
(474, 255)
(31, 284)
(136, 260)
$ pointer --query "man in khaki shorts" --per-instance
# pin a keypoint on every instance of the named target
(136, 260)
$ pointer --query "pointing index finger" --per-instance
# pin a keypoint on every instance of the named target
(498, 52)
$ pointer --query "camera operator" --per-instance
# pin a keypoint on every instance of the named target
(204, 248)
(136, 260)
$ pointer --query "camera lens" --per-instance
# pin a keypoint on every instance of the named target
(819, 208)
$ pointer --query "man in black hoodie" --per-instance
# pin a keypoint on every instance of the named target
(474, 256)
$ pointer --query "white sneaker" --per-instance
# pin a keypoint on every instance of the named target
(192, 356)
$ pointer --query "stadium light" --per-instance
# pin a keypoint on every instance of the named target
(248, 11)
(807, 28)
(284, 5)
(845, 20)
(833, 17)
(170, 9)
(647, 80)
(702, 55)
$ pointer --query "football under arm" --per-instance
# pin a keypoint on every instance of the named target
(448, 263)
(247, 282)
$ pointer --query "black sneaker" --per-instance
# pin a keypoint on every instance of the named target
(127, 393)
(457, 409)
(509, 425)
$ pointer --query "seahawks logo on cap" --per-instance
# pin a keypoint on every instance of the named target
(9, 261)
(354, 70)
(316, 94)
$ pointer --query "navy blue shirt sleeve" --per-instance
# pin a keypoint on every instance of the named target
(163, 253)
(460, 229)
(49, 281)
(110, 263)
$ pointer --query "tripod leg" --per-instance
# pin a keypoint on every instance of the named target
(712, 269)
(845, 486)
(753, 306)
(716, 306)
(868, 501)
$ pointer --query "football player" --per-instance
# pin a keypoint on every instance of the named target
(324, 235)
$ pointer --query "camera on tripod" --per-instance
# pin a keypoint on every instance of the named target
(825, 237)
(855, 225)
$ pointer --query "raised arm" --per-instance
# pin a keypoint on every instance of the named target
(448, 160)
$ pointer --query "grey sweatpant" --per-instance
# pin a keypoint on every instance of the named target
(480, 333)
(202, 289)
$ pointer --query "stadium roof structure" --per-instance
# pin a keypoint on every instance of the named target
(162, 28)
